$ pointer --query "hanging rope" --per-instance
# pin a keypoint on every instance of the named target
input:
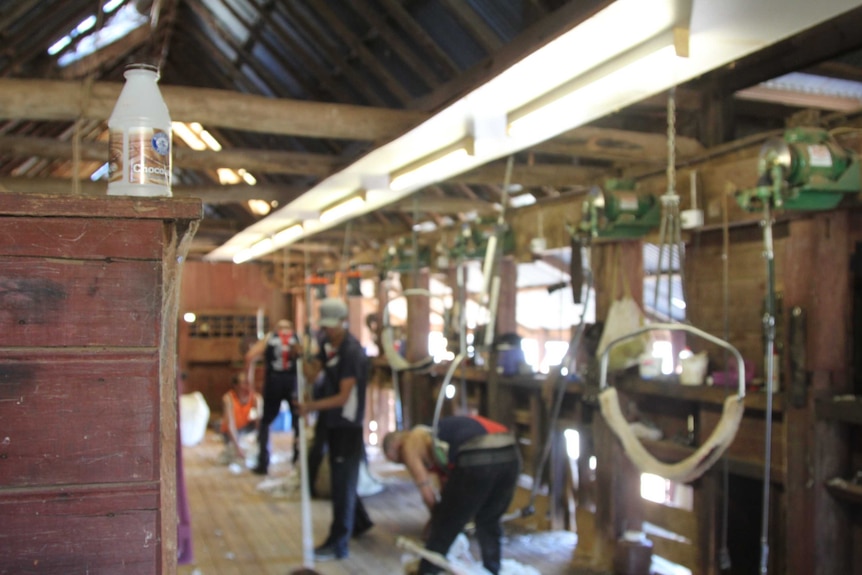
(86, 93)
(670, 230)
(397, 362)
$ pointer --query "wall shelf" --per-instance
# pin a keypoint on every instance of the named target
(696, 393)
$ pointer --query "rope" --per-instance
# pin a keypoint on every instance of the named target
(670, 230)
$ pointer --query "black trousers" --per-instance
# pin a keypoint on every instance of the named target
(346, 453)
(482, 490)
(317, 451)
(277, 388)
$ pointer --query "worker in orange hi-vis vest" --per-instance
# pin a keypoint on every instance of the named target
(242, 407)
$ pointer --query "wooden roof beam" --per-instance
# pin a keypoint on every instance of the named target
(210, 194)
(430, 49)
(255, 161)
(61, 100)
(443, 205)
(533, 176)
(618, 145)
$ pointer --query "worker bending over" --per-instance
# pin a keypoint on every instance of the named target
(477, 463)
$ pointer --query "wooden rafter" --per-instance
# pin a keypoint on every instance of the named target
(57, 100)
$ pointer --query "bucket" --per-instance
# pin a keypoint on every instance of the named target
(633, 554)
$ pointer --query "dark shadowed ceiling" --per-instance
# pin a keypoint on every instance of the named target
(372, 70)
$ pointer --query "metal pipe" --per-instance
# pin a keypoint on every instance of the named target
(769, 327)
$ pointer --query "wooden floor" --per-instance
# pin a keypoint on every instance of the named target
(241, 527)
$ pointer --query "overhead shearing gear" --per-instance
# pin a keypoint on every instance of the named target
(670, 231)
(617, 211)
(807, 169)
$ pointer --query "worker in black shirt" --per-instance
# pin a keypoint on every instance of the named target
(342, 406)
(280, 349)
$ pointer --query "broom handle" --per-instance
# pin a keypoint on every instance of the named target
(307, 534)
(430, 556)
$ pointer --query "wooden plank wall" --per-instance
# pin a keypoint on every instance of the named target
(86, 383)
(740, 319)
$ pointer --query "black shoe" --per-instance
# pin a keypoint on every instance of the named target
(259, 470)
(328, 552)
(358, 530)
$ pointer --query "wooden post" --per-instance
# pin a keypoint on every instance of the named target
(417, 397)
(817, 279)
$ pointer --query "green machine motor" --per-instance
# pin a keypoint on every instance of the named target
(805, 170)
(619, 212)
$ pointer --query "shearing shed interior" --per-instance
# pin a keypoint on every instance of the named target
(621, 237)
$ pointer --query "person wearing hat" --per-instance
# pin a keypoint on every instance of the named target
(342, 407)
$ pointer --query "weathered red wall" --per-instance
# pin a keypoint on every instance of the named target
(222, 288)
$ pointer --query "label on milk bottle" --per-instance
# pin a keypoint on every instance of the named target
(148, 160)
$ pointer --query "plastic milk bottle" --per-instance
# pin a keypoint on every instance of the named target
(139, 156)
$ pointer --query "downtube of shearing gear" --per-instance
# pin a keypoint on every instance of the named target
(462, 325)
(396, 391)
(769, 330)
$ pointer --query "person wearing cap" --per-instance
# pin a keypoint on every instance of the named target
(280, 350)
(477, 463)
(342, 406)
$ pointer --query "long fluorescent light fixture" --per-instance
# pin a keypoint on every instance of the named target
(342, 209)
(278, 240)
(428, 169)
(257, 249)
(286, 236)
(631, 76)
